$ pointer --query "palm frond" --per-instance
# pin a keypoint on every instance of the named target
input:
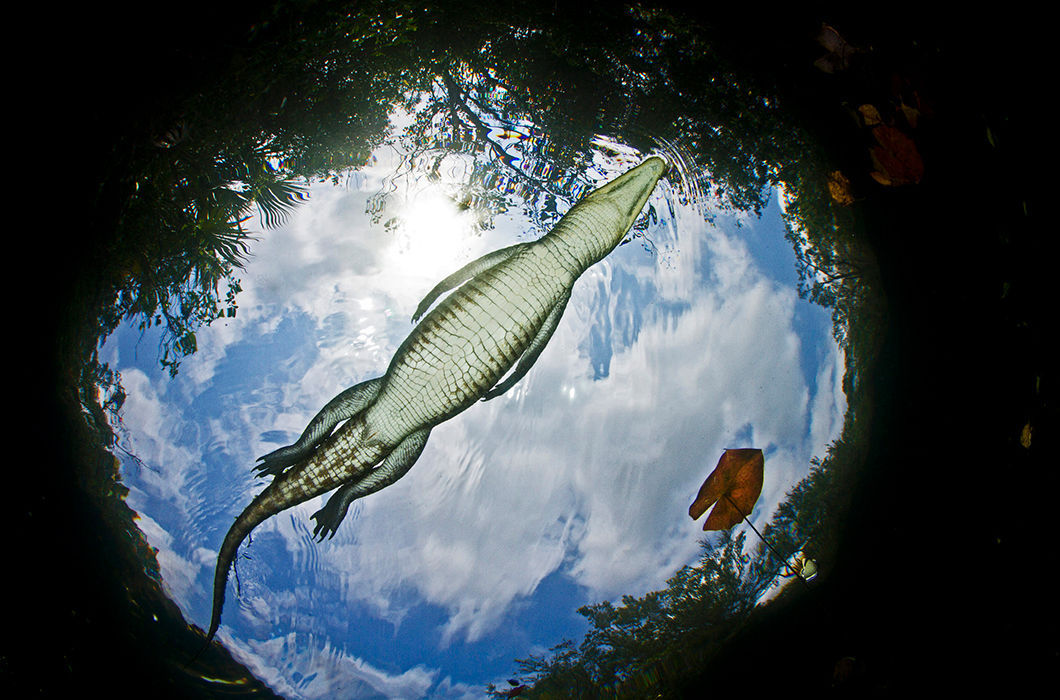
(276, 200)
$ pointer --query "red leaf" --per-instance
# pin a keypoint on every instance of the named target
(896, 158)
(734, 486)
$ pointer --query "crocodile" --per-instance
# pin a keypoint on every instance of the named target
(502, 311)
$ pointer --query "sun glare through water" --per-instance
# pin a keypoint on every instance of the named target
(430, 241)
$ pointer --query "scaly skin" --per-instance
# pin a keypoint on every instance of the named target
(503, 312)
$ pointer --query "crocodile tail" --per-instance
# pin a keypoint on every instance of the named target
(321, 473)
(256, 513)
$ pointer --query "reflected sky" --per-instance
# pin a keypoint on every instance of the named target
(571, 488)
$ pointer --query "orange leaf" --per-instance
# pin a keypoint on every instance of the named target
(734, 486)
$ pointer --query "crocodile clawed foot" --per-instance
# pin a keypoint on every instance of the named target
(264, 470)
(325, 524)
(277, 461)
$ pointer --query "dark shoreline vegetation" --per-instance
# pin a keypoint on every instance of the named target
(163, 221)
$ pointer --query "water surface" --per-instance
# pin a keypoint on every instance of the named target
(571, 488)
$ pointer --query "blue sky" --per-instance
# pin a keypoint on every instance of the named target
(571, 488)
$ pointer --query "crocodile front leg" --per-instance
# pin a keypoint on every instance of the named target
(395, 466)
(345, 405)
(465, 273)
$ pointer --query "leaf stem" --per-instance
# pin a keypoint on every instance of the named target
(771, 547)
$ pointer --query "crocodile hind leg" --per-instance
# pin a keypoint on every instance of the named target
(344, 406)
(533, 351)
(395, 466)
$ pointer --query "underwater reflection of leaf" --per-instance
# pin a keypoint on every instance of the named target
(732, 488)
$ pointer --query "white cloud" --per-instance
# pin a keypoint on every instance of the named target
(830, 403)
(447, 689)
(302, 666)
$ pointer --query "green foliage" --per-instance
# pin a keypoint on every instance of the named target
(836, 267)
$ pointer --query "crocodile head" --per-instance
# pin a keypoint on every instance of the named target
(630, 191)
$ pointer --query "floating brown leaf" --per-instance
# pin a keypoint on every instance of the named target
(734, 486)
(896, 158)
(839, 188)
(839, 50)
(911, 114)
(1025, 436)
(870, 115)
